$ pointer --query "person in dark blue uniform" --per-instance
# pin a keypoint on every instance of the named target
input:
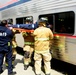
(6, 36)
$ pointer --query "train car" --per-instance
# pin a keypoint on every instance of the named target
(61, 15)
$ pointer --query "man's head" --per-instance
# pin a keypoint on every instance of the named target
(4, 22)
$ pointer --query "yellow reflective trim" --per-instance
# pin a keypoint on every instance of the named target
(41, 39)
(14, 46)
(8, 43)
(39, 51)
(13, 30)
(61, 46)
(29, 43)
(6, 64)
(24, 33)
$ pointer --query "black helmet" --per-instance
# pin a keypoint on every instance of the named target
(43, 20)
(9, 21)
(29, 19)
(3, 22)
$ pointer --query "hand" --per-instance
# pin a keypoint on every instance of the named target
(17, 31)
(10, 28)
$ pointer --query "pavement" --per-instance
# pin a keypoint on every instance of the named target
(19, 68)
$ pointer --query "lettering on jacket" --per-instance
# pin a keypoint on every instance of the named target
(3, 34)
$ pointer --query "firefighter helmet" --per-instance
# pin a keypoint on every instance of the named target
(10, 21)
(42, 21)
(29, 19)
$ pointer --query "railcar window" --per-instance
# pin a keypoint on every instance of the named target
(62, 22)
(22, 20)
(19, 20)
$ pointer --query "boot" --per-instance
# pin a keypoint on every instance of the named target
(1, 71)
(12, 73)
(25, 67)
(13, 66)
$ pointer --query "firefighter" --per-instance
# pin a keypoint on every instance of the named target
(28, 46)
(42, 36)
(14, 52)
(14, 45)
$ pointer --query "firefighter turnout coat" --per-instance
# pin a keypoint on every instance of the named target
(42, 38)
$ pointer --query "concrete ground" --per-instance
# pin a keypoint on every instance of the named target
(19, 68)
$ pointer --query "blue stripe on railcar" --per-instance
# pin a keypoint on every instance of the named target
(14, 4)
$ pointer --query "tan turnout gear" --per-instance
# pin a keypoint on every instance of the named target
(42, 37)
(14, 45)
(14, 52)
(28, 47)
(28, 44)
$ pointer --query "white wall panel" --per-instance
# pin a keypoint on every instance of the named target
(35, 6)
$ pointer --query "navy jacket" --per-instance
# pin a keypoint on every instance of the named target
(6, 36)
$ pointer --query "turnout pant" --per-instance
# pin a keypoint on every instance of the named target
(14, 52)
(46, 56)
(28, 53)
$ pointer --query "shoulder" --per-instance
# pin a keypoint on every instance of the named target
(47, 28)
(36, 29)
(8, 30)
